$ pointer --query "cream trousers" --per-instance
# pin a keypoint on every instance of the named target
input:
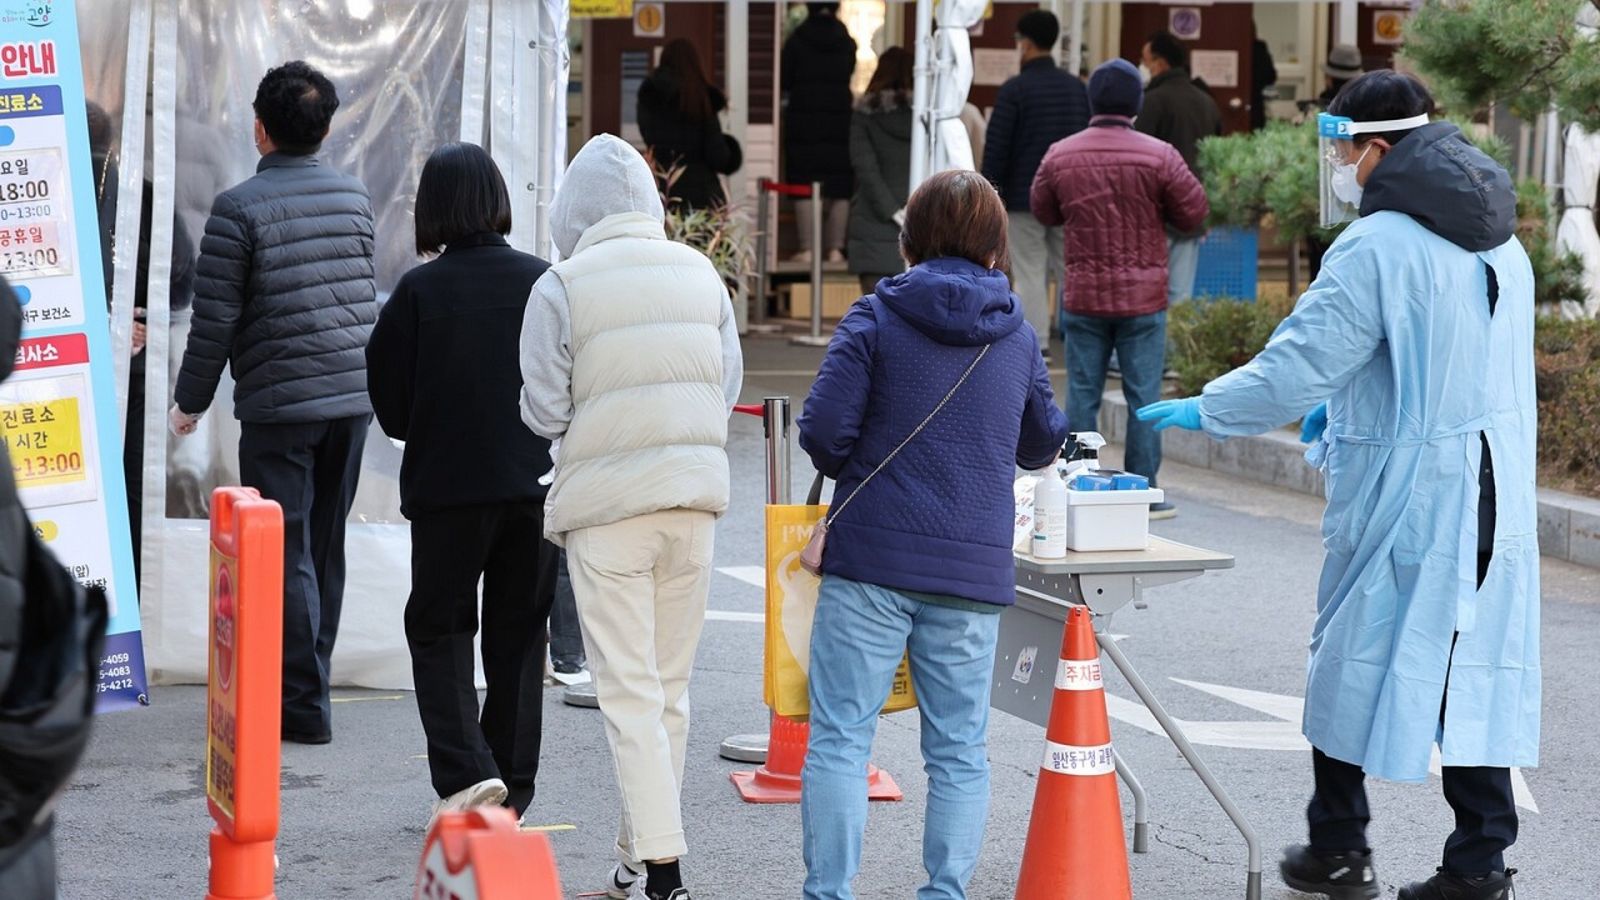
(641, 587)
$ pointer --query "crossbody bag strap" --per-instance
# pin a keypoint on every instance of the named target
(834, 513)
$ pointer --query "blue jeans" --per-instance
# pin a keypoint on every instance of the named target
(1183, 264)
(860, 632)
(1141, 346)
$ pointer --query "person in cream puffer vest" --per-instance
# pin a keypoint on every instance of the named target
(631, 363)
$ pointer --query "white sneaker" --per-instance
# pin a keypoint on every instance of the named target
(834, 256)
(803, 257)
(485, 793)
(625, 884)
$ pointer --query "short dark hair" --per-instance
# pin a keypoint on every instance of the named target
(1041, 27)
(956, 213)
(1166, 45)
(1381, 95)
(460, 193)
(817, 9)
(295, 104)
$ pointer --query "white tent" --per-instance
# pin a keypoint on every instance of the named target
(411, 76)
(1581, 164)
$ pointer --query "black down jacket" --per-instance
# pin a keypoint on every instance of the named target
(284, 294)
(697, 147)
(818, 60)
(1040, 105)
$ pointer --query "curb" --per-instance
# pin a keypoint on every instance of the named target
(1569, 525)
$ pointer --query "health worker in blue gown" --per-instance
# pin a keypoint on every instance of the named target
(1411, 360)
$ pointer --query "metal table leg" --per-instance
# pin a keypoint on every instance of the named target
(1253, 884)
(1141, 815)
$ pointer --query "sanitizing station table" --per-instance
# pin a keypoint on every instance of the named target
(1105, 582)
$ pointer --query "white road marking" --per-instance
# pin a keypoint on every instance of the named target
(755, 576)
(723, 615)
(1282, 734)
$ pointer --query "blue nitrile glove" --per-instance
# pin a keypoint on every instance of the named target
(1315, 424)
(1173, 414)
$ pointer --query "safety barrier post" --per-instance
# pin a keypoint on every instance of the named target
(244, 689)
(764, 245)
(815, 338)
(480, 854)
(782, 751)
(775, 418)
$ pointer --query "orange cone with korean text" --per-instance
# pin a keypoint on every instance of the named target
(1075, 845)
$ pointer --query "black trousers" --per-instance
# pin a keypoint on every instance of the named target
(311, 470)
(450, 551)
(1486, 813)
(566, 636)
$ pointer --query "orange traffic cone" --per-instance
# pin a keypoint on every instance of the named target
(778, 781)
(1075, 846)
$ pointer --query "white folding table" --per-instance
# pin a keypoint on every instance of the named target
(1030, 641)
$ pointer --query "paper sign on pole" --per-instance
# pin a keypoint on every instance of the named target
(58, 416)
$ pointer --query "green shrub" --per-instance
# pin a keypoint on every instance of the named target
(1212, 337)
(1567, 363)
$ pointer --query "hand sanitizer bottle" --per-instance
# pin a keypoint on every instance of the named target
(1050, 516)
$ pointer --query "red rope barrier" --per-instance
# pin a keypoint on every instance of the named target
(787, 190)
(750, 409)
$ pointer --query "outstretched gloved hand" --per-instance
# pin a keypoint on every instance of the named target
(1316, 422)
(1183, 414)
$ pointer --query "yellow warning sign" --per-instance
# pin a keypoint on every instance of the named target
(601, 9)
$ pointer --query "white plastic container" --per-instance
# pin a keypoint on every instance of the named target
(1109, 520)
(1050, 516)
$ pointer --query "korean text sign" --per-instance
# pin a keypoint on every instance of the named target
(58, 415)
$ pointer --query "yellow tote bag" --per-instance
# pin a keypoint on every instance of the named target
(791, 606)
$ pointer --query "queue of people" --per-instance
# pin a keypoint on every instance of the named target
(936, 379)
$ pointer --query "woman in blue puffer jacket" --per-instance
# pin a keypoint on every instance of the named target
(938, 360)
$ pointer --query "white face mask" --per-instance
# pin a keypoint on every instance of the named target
(1144, 74)
(1345, 184)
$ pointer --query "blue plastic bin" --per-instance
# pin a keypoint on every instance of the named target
(1227, 264)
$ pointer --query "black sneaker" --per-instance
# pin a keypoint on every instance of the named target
(1445, 886)
(1341, 876)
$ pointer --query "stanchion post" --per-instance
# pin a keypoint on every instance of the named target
(815, 338)
(763, 255)
(244, 692)
(775, 421)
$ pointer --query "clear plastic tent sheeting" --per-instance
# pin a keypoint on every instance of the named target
(1576, 232)
(1581, 176)
(399, 69)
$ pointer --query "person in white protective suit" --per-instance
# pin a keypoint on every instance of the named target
(1417, 339)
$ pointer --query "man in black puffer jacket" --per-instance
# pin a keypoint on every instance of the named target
(1041, 105)
(285, 296)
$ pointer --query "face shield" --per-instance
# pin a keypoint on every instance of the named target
(1336, 135)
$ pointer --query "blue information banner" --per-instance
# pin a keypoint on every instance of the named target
(58, 413)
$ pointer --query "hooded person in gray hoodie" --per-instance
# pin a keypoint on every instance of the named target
(631, 365)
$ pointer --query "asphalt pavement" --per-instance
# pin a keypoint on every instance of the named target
(1225, 653)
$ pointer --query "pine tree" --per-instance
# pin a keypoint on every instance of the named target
(1524, 55)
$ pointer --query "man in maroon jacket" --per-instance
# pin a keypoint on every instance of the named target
(1115, 192)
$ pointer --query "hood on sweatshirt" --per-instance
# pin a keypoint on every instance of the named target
(1449, 186)
(954, 301)
(606, 178)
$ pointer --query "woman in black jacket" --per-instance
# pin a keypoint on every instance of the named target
(444, 375)
(678, 110)
(818, 60)
(880, 149)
